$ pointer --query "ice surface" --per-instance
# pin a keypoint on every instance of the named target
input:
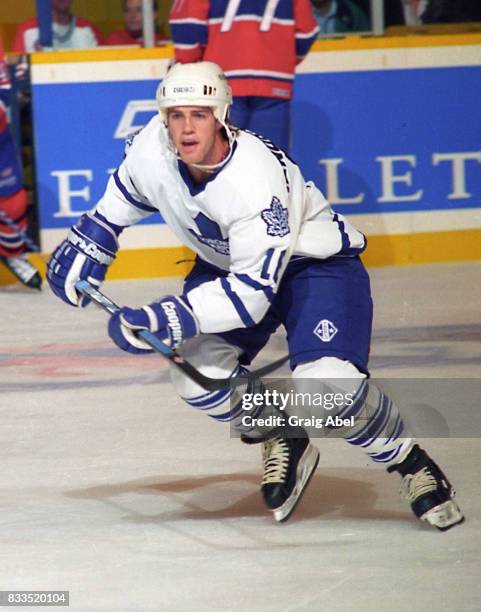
(113, 489)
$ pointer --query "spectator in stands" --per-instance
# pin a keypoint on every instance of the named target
(13, 197)
(419, 12)
(132, 34)
(451, 11)
(258, 46)
(336, 16)
(68, 31)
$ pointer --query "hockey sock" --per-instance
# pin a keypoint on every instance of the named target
(379, 429)
(12, 243)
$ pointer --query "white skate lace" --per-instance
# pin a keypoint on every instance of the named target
(276, 460)
(22, 267)
(420, 483)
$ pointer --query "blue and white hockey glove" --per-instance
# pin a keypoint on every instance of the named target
(170, 319)
(86, 254)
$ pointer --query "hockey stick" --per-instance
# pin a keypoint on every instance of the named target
(211, 384)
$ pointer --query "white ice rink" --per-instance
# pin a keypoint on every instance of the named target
(114, 490)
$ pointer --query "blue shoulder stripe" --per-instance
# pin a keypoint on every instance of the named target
(284, 9)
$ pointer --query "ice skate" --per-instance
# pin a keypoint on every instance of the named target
(288, 466)
(428, 490)
(23, 270)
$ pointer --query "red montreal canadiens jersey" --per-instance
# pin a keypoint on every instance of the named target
(257, 43)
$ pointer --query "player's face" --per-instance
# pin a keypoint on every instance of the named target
(196, 134)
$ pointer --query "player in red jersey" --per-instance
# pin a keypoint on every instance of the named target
(258, 44)
(13, 198)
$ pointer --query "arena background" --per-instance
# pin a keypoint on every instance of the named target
(387, 127)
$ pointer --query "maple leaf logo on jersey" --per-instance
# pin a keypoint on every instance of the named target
(276, 218)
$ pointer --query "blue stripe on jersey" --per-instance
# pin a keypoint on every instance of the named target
(304, 44)
(284, 9)
(347, 249)
(128, 197)
(344, 237)
(189, 33)
(237, 303)
(245, 278)
(346, 244)
(263, 76)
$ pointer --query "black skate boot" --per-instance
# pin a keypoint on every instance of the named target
(23, 270)
(289, 464)
(428, 490)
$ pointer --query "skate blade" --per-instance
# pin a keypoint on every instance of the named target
(305, 470)
(444, 516)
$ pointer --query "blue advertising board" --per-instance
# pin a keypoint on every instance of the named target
(75, 142)
(408, 139)
(376, 142)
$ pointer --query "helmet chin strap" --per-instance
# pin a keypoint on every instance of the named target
(211, 167)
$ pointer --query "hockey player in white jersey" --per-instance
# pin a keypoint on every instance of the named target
(270, 251)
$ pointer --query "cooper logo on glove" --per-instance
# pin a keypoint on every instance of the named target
(173, 321)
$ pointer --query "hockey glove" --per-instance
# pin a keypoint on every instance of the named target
(170, 319)
(86, 254)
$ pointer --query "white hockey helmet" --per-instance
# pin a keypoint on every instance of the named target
(197, 84)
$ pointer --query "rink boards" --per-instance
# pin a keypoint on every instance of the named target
(389, 129)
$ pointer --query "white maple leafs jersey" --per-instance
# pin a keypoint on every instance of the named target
(249, 219)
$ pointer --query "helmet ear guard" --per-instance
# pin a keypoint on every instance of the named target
(198, 84)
